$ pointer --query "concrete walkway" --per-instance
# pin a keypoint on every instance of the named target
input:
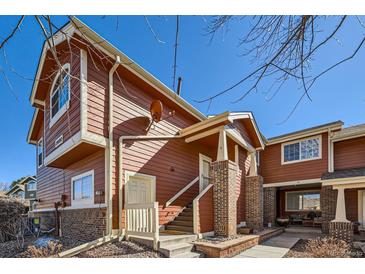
(275, 247)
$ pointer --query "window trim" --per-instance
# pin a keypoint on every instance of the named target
(83, 202)
(65, 107)
(30, 183)
(298, 141)
(40, 141)
(301, 191)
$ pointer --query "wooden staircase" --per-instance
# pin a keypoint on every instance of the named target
(183, 223)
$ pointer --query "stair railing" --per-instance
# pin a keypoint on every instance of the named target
(196, 209)
(142, 220)
(185, 188)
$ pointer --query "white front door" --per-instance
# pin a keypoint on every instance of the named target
(139, 189)
(204, 168)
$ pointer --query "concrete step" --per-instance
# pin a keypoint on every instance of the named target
(175, 250)
(176, 239)
(182, 223)
(190, 255)
(179, 228)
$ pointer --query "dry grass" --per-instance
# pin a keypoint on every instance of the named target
(323, 247)
(52, 249)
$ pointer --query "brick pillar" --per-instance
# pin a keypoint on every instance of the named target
(269, 205)
(254, 202)
(328, 206)
(223, 174)
(341, 230)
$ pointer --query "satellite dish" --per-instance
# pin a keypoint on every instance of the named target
(156, 110)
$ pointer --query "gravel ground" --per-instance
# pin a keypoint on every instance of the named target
(299, 251)
(9, 249)
(122, 249)
(217, 240)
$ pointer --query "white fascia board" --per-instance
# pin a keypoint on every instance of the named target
(294, 183)
(344, 181)
(302, 135)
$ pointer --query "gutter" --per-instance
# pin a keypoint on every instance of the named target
(120, 166)
(109, 159)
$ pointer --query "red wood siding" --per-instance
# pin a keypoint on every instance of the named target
(349, 153)
(53, 182)
(273, 171)
(69, 123)
(206, 212)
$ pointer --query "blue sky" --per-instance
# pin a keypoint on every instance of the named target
(205, 67)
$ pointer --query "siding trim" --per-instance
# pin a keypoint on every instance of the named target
(294, 183)
(71, 207)
(83, 92)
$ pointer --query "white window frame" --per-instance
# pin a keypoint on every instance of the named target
(65, 107)
(299, 141)
(35, 183)
(301, 191)
(202, 157)
(83, 202)
(129, 174)
(258, 157)
(40, 141)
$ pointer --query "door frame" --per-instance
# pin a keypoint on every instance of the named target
(151, 178)
(201, 158)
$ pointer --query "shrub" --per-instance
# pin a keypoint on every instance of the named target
(328, 247)
(11, 211)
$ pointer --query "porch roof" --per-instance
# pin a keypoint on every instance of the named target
(345, 173)
(224, 120)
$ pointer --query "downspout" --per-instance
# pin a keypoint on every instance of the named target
(109, 187)
(120, 167)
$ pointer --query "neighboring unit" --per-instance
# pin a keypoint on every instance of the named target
(118, 152)
(25, 189)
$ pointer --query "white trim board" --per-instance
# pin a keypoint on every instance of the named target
(70, 208)
(294, 183)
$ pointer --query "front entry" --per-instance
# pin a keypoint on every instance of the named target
(140, 188)
(204, 168)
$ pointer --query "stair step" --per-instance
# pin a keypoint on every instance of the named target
(179, 228)
(184, 218)
(188, 209)
(189, 206)
(176, 249)
(182, 223)
(190, 255)
(168, 241)
(185, 213)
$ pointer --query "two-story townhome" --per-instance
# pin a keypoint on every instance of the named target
(25, 189)
(120, 153)
(315, 177)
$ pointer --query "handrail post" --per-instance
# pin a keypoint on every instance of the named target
(155, 226)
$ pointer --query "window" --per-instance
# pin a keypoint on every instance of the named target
(303, 150)
(20, 194)
(258, 158)
(40, 153)
(82, 189)
(32, 186)
(60, 95)
(302, 201)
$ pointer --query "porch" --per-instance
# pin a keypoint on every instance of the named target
(225, 159)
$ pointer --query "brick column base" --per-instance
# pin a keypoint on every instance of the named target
(328, 206)
(341, 230)
(223, 174)
(254, 202)
(269, 205)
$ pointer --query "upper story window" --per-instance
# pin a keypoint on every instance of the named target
(60, 94)
(32, 185)
(40, 152)
(82, 188)
(301, 150)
